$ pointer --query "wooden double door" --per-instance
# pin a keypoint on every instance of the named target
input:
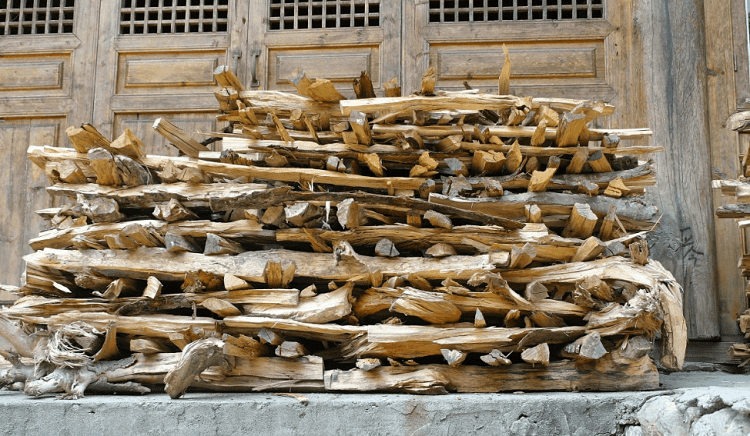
(122, 63)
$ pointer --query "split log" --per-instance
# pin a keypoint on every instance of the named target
(320, 309)
(216, 245)
(581, 222)
(178, 137)
(606, 374)
(537, 355)
(195, 358)
(585, 348)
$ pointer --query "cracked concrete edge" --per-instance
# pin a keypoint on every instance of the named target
(556, 413)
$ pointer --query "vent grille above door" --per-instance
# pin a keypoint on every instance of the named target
(323, 14)
(36, 17)
(451, 11)
(145, 17)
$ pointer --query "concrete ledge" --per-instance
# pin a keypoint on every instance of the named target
(324, 414)
(554, 413)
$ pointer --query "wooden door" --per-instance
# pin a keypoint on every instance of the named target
(557, 47)
(331, 39)
(156, 59)
(47, 50)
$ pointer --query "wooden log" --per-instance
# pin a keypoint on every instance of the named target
(522, 257)
(290, 350)
(176, 243)
(541, 179)
(234, 283)
(453, 358)
(270, 337)
(392, 88)
(178, 137)
(216, 245)
(319, 309)
(639, 251)
(440, 250)
(576, 163)
(513, 158)
(496, 358)
(581, 222)
(127, 144)
(324, 91)
(569, 129)
(606, 374)
(386, 248)
(585, 348)
(243, 346)
(533, 213)
(196, 357)
(479, 321)
(226, 78)
(438, 220)
(591, 248)
(487, 162)
(539, 135)
(361, 127)
(150, 346)
(368, 363)
(278, 275)
(85, 138)
(537, 355)
(536, 291)
(363, 86)
(599, 163)
(153, 288)
(221, 307)
(299, 214)
(431, 307)
(173, 211)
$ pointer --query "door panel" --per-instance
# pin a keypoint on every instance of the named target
(334, 40)
(555, 49)
(156, 59)
(46, 71)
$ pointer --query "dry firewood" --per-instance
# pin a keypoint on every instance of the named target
(537, 355)
(196, 357)
(143, 236)
(438, 220)
(153, 288)
(299, 214)
(274, 216)
(616, 188)
(363, 86)
(323, 90)
(361, 127)
(320, 309)
(581, 222)
(495, 358)
(220, 307)
(532, 164)
(75, 381)
(392, 88)
(577, 162)
(520, 257)
(479, 320)
(290, 350)
(178, 137)
(85, 138)
(176, 243)
(453, 358)
(216, 245)
(119, 286)
(270, 337)
(541, 319)
(173, 211)
(585, 348)
(150, 346)
(591, 248)
(226, 78)
(117, 170)
(428, 82)
(373, 162)
(127, 144)
(487, 162)
(503, 82)
(333, 163)
(386, 248)
(440, 250)
(587, 187)
(536, 291)
(234, 283)
(514, 158)
(599, 163)
(243, 346)
(533, 213)
(570, 129)
(431, 307)
(368, 363)
(299, 79)
(639, 251)
(610, 141)
(540, 179)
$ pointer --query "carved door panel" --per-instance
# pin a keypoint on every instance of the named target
(46, 68)
(557, 47)
(156, 59)
(330, 39)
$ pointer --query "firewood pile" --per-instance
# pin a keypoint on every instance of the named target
(739, 210)
(438, 242)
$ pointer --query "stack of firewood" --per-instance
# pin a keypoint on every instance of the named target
(431, 243)
(739, 210)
